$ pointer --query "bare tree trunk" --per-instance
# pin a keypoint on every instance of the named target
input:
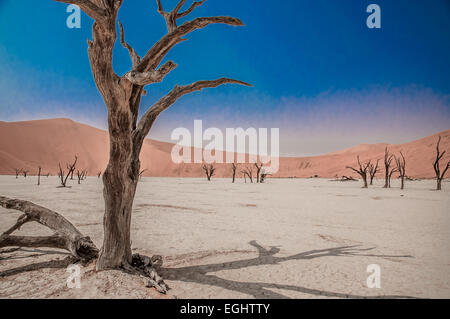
(373, 170)
(387, 164)
(364, 178)
(258, 171)
(119, 194)
(234, 167)
(120, 181)
(439, 184)
(401, 168)
(39, 176)
(436, 165)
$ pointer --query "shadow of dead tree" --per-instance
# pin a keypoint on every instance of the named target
(53, 264)
(200, 274)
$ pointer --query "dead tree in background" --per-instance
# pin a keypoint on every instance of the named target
(25, 173)
(388, 158)
(362, 171)
(439, 176)
(18, 171)
(258, 171)
(373, 170)
(142, 173)
(248, 172)
(81, 175)
(122, 96)
(209, 171)
(71, 168)
(393, 170)
(234, 168)
(39, 176)
(401, 168)
(347, 179)
(263, 177)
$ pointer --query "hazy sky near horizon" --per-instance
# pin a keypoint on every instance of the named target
(319, 74)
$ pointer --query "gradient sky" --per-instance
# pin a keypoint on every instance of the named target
(319, 74)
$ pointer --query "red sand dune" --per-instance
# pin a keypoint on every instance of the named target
(45, 143)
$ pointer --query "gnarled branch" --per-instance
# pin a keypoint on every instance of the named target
(163, 46)
(135, 58)
(191, 8)
(172, 16)
(66, 236)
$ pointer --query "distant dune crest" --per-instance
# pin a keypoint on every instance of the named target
(28, 145)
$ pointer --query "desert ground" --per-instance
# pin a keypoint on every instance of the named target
(288, 238)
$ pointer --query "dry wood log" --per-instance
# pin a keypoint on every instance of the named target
(66, 236)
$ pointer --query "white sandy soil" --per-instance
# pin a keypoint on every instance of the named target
(288, 238)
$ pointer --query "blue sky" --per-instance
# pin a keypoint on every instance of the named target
(318, 72)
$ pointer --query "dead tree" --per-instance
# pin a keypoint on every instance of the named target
(258, 171)
(388, 158)
(25, 173)
(18, 171)
(347, 179)
(362, 171)
(436, 165)
(209, 171)
(248, 172)
(39, 176)
(66, 236)
(234, 168)
(263, 177)
(393, 170)
(71, 168)
(122, 96)
(81, 175)
(373, 170)
(401, 169)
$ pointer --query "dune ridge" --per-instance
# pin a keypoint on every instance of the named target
(45, 143)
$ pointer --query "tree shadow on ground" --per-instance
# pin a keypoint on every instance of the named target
(64, 263)
(200, 274)
(35, 252)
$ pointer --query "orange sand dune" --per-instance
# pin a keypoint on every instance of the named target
(45, 143)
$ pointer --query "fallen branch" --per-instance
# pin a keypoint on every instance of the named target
(66, 236)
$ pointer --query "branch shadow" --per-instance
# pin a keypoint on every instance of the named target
(35, 252)
(200, 274)
(56, 264)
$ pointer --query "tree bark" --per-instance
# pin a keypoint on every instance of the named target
(120, 181)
